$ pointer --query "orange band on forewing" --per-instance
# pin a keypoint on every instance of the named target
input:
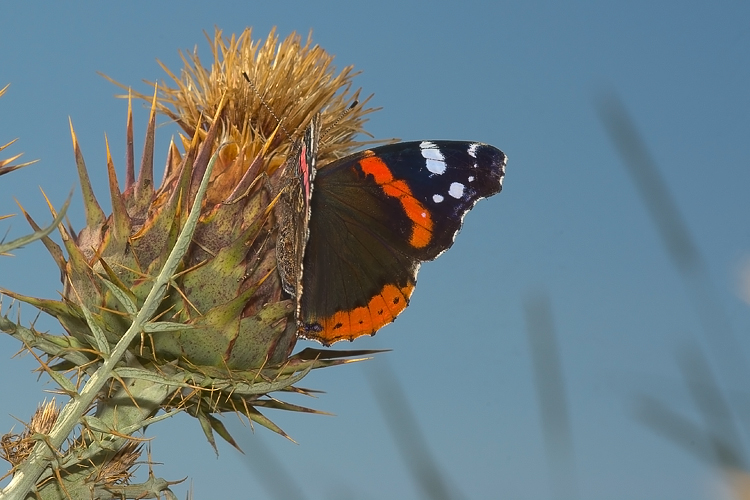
(422, 222)
(421, 231)
(381, 310)
(374, 166)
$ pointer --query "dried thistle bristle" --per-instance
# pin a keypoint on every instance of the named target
(293, 79)
(121, 467)
(6, 165)
(44, 418)
(14, 448)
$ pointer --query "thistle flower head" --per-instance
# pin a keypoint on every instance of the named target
(289, 82)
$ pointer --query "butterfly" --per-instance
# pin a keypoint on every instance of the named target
(353, 233)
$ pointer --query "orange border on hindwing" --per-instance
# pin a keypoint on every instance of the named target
(381, 310)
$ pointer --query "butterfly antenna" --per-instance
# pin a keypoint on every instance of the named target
(265, 104)
(341, 116)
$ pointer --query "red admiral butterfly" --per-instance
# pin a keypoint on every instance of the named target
(353, 233)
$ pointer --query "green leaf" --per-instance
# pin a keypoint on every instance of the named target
(122, 297)
(152, 420)
(166, 326)
(151, 376)
(256, 388)
(63, 382)
(97, 424)
(101, 340)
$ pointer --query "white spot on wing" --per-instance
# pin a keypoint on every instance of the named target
(435, 159)
(471, 178)
(473, 149)
(456, 190)
(437, 198)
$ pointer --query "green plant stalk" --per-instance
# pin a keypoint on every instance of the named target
(43, 454)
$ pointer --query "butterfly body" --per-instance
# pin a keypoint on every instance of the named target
(293, 208)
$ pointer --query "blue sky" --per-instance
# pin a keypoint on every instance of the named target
(570, 225)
